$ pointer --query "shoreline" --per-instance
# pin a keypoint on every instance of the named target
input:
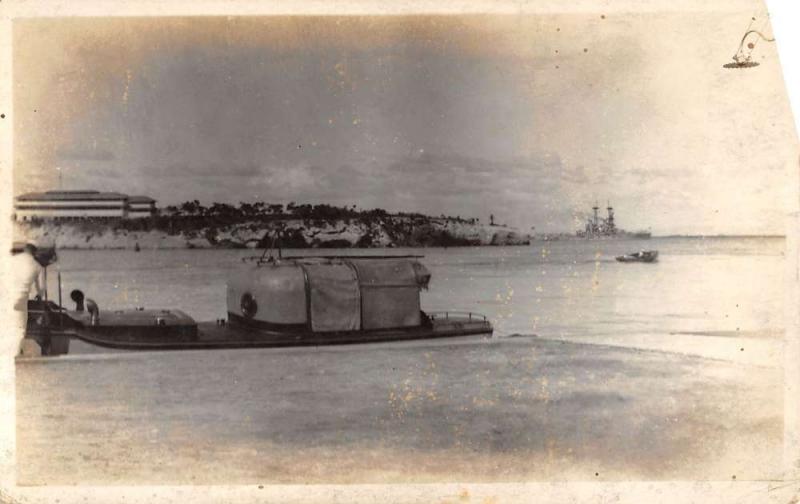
(191, 244)
(295, 233)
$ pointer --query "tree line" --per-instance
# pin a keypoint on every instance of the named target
(270, 211)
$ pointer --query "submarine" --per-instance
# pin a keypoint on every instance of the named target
(270, 302)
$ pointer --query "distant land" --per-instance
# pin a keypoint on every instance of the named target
(573, 236)
(256, 225)
(712, 236)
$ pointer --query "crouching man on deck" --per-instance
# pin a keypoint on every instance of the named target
(26, 264)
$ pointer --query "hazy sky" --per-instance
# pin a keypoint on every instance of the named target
(531, 118)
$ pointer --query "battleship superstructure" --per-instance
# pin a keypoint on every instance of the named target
(599, 227)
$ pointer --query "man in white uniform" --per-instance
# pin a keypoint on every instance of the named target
(26, 270)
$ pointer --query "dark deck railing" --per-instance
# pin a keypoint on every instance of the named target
(445, 314)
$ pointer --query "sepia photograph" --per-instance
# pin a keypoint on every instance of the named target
(366, 248)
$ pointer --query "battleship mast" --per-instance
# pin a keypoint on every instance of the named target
(610, 222)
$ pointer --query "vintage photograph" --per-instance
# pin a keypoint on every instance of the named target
(423, 248)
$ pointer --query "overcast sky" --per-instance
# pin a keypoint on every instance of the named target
(529, 118)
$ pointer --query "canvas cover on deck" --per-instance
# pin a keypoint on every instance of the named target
(335, 297)
(343, 294)
(389, 293)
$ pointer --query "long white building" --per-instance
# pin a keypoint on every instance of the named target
(141, 206)
(82, 205)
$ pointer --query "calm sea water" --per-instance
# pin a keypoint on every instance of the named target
(485, 410)
(563, 289)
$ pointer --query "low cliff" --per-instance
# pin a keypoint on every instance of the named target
(294, 233)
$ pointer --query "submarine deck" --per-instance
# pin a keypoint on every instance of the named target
(215, 335)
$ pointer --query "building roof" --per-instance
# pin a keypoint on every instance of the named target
(71, 196)
(140, 199)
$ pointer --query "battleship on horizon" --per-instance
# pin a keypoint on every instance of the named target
(598, 227)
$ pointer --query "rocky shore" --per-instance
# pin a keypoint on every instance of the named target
(294, 233)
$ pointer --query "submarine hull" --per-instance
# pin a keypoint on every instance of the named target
(174, 330)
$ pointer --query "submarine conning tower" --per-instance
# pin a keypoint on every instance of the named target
(328, 294)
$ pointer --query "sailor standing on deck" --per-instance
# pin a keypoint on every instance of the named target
(26, 272)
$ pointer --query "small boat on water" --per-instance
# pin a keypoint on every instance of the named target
(271, 302)
(646, 256)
